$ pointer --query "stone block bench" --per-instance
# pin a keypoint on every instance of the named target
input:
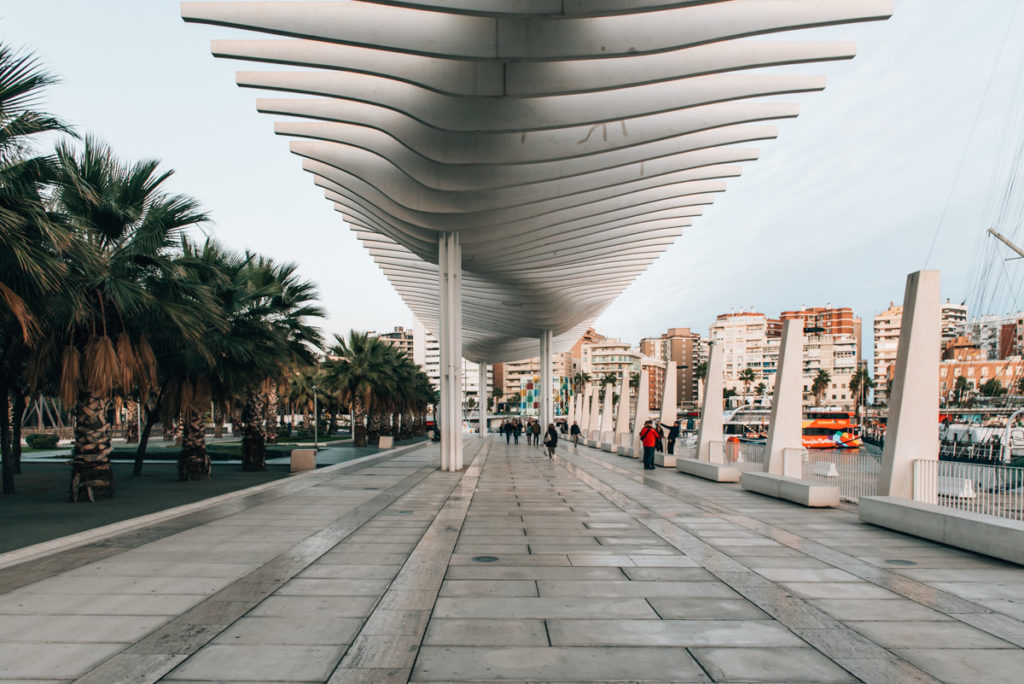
(986, 534)
(665, 460)
(303, 459)
(803, 492)
(716, 472)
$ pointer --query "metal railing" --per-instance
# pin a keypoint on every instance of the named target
(745, 456)
(994, 490)
(974, 451)
(853, 471)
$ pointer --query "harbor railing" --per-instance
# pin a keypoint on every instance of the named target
(995, 490)
(853, 471)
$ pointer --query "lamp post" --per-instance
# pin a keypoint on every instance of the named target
(316, 422)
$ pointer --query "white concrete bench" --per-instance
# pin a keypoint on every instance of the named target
(958, 487)
(303, 459)
(803, 492)
(825, 469)
(992, 536)
(386, 442)
(716, 472)
(664, 459)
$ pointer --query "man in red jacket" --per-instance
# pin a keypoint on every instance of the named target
(648, 436)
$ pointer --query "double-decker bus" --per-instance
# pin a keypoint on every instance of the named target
(825, 428)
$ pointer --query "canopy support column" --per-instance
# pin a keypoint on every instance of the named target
(483, 398)
(449, 261)
(547, 412)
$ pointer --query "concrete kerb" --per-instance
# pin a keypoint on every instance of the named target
(71, 541)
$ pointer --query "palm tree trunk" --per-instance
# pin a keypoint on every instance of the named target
(131, 427)
(270, 415)
(194, 462)
(90, 468)
(373, 426)
(358, 428)
(218, 421)
(19, 415)
(254, 433)
(7, 461)
(152, 416)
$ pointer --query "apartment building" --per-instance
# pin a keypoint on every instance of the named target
(687, 349)
(987, 332)
(743, 337)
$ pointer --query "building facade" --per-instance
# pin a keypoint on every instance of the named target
(688, 349)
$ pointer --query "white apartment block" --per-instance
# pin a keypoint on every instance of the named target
(985, 331)
(743, 338)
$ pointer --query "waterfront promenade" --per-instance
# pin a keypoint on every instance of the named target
(585, 568)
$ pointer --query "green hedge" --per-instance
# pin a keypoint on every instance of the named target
(41, 441)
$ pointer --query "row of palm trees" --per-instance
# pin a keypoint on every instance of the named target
(105, 295)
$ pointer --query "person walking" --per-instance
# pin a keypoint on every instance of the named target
(535, 427)
(673, 435)
(648, 436)
(507, 429)
(551, 439)
(517, 430)
(574, 432)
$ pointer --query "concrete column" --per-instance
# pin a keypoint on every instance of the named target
(547, 409)
(622, 413)
(585, 411)
(572, 409)
(483, 399)
(594, 422)
(643, 411)
(711, 408)
(669, 405)
(607, 423)
(449, 259)
(784, 431)
(912, 430)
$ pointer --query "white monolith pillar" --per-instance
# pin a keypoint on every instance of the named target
(449, 260)
(607, 421)
(622, 414)
(585, 411)
(711, 418)
(547, 408)
(594, 423)
(912, 432)
(669, 406)
(482, 393)
(784, 430)
(571, 418)
(643, 412)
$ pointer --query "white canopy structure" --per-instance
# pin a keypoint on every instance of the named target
(513, 165)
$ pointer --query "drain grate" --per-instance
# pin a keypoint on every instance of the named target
(899, 561)
(485, 559)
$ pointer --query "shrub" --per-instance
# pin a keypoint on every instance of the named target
(284, 432)
(41, 441)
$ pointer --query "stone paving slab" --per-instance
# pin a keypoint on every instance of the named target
(580, 568)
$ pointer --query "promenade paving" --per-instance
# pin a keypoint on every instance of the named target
(578, 569)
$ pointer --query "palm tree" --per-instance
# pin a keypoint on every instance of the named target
(354, 369)
(820, 385)
(32, 237)
(860, 383)
(497, 394)
(127, 227)
(760, 389)
(747, 376)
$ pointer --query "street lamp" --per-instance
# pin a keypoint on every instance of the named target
(316, 422)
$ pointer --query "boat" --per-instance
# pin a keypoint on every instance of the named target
(830, 428)
(747, 424)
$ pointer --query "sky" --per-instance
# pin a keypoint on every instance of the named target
(900, 164)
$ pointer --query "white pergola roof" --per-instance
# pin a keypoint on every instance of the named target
(569, 142)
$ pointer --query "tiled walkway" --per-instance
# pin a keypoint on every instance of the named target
(585, 568)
